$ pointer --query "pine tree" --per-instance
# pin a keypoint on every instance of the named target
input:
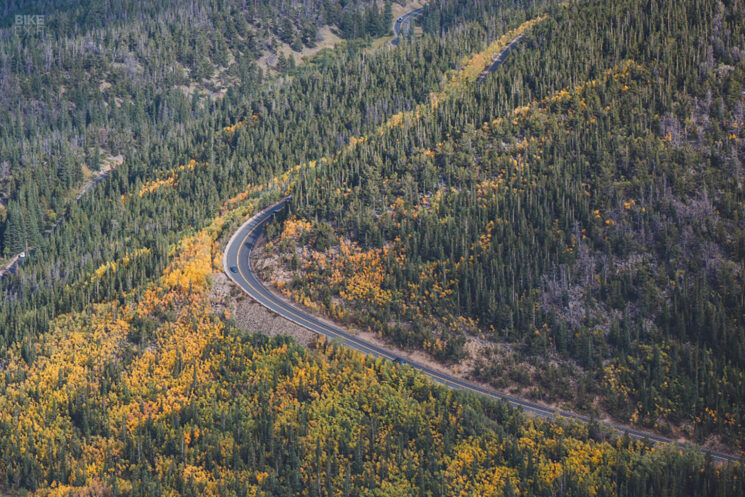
(387, 17)
(16, 233)
(96, 159)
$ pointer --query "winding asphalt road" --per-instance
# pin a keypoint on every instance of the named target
(403, 24)
(237, 265)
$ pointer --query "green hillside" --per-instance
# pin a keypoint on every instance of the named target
(570, 229)
(579, 217)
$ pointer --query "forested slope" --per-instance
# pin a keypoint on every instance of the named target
(84, 83)
(119, 378)
(172, 183)
(158, 395)
(578, 219)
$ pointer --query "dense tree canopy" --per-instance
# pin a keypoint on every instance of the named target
(584, 204)
(91, 80)
(580, 211)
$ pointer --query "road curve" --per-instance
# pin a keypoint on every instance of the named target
(403, 24)
(237, 265)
